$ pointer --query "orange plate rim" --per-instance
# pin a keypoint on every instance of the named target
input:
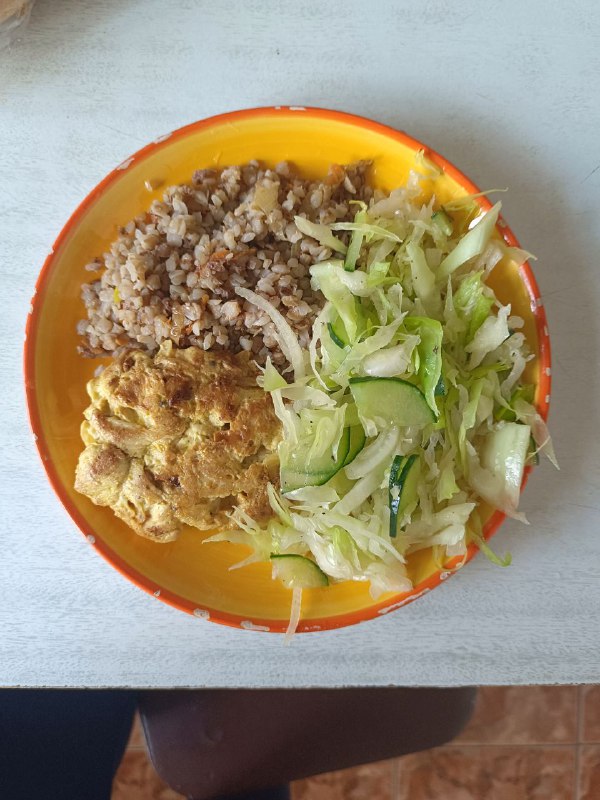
(221, 617)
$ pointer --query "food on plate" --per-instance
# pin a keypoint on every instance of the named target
(172, 273)
(315, 369)
(184, 436)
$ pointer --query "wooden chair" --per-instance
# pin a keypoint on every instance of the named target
(208, 744)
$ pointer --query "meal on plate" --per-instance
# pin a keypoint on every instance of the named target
(314, 369)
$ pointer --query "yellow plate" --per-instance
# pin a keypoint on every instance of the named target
(188, 574)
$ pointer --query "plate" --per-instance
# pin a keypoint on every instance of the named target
(188, 574)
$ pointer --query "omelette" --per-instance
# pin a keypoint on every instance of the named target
(183, 437)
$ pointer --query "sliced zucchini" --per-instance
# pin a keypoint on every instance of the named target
(504, 453)
(405, 473)
(298, 572)
(357, 442)
(351, 327)
(298, 470)
(338, 334)
(335, 354)
(391, 400)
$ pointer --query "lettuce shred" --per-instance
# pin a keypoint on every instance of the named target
(406, 298)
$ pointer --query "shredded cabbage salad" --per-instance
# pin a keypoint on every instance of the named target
(408, 408)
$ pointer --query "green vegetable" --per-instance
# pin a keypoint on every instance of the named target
(489, 553)
(525, 393)
(480, 313)
(468, 200)
(472, 304)
(356, 241)
(391, 401)
(366, 229)
(337, 336)
(326, 278)
(271, 378)
(443, 221)
(533, 456)
(322, 233)
(469, 418)
(472, 243)
(498, 474)
(423, 278)
(286, 338)
(297, 572)
(528, 415)
(300, 468)
(430, 355)
(373, 340)
(391, 361)
(374, 458)
(356, 444)
(489, 336)
(475, 534)
(402, 489)
(447, 487)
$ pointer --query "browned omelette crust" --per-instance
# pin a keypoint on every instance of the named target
(185, 436)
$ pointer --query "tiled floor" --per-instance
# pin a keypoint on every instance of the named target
(523, 743)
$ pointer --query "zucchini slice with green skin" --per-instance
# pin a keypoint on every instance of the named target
(338, 330)
(335, 332)
(404, 481)
(357, 442)
(298, 470)
(298, 572)
(393, 400)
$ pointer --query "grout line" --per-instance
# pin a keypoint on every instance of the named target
(577, 767)
(580, 715)
(577, 773)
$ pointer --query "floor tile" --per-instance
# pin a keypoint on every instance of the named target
(137, 780)
(488, 773)
(590, 707)
(367, 782)
(523, 715)
(137, 740)
(589, 772)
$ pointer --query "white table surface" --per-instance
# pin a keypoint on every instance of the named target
(507, 91)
